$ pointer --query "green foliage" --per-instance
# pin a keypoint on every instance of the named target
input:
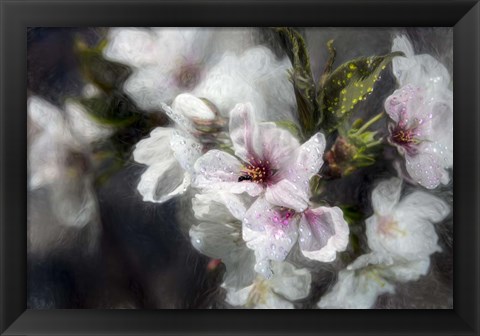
(115, 110)
(105, 74)
(302, 79)
(289, 126)
(348, 85)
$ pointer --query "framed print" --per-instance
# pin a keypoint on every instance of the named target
(287, 163)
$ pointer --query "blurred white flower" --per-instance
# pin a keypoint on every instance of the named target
(286, 285)
(422, 114)
(401, 237)
(254, 76)
(165, 61)
(58, 158)
(170, 152)
(219, 236)
(222, 66)
(403, 229)
(369, 276)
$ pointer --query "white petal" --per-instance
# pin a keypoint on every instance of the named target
(132, 46)
(238, 297)
(287, 194)
(219, 206)
(217, 170)
(427, 169)
(152, 86)
(392, 269)
(74, 200)
(291, 283)
(84, 129)
(425, 206)
(163, 181)
(420, 70)
(244, 133)
(408, 233)
(278, 145)
(385, 196)
(355, 290)
(46, 157)
(222, 240)
(49, 118)
(186, 149)
(323, 233)
(155, 148)
(410, 271)
(306, 162)
(192, 107)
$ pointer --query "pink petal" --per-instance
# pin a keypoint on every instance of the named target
(244, 133)
(405, 104)
(323, 233)
(269, 231)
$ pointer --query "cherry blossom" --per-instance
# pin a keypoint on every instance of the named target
(170, 152)
(267, 159)
(401, 237)
(219, 235)
(288, 284)
(421, 111)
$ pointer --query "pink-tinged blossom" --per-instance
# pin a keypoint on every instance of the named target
(401, 237)
(272, 231)
(421, 111)
(267, 159)
(270, 162)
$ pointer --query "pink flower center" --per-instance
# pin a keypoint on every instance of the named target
(283, 217)
(257, 170)
(406, 136)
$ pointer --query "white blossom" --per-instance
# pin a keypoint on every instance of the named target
(170, 152)
(401, 237)
(219, 235)
(286, 285)
(58, 158)
(421, 111)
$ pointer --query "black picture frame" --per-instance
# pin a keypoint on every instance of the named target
(17, 15)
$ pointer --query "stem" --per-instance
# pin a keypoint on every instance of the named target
(369, 123)
(374, 143)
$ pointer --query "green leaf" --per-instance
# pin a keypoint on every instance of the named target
(106, 75)
(349, 84)
(302, 78)
(329, 65)
(113, 110)
(289, 126)
(315, 185)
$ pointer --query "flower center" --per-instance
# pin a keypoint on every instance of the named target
(257, 171)
(284, 216)
(188, 76)
(406, 136)
(387, 226)
(403, 136)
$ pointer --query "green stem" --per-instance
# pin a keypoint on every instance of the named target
(374, 143)
(369, 123)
